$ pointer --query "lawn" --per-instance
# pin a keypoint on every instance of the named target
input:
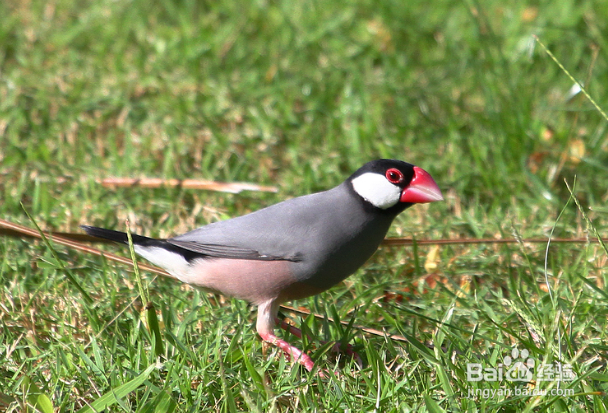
(298, 95)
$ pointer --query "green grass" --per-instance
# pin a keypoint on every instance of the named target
(299, 95)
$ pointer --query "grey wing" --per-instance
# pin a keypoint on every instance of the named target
(270, 234)
(229, 251)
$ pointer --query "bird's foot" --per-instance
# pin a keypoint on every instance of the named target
(349, 350)
(338, 347)
(293, 353)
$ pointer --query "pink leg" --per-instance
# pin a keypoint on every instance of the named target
(290, 351)
(267, 313)
(336, 348)
(288, 327)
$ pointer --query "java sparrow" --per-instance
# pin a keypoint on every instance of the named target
(293, 249)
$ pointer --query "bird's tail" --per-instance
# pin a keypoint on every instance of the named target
(159, 252)
(119, 236)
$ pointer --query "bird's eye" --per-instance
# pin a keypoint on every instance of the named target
(394, 176)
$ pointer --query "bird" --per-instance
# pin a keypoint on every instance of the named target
(293, 249)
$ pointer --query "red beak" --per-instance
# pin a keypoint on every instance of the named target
(422, 189)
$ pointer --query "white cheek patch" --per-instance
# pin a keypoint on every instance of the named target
(377, 190)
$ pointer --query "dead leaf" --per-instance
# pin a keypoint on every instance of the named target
(432, 259)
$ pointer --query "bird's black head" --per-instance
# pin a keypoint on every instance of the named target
(392, 186)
